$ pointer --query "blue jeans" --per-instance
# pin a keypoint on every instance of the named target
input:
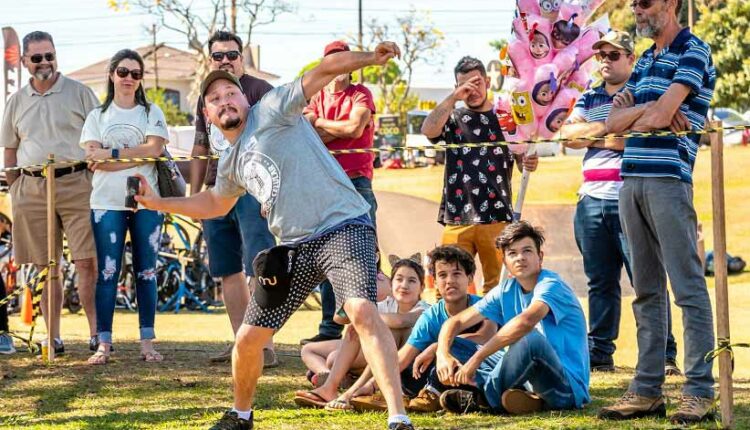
(660, 223)
(605, 250)
(327, 327)
(110, 228)
(233, 240)
(531, 360)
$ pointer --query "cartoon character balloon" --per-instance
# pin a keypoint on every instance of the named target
(549, 57)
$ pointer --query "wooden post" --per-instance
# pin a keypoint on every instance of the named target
(51, 255)
(720, 272)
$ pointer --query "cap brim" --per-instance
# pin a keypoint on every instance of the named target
(601, 43)
(217, 75)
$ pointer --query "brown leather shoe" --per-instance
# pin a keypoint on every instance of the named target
(631, 406)
(376, 402)
(426, 401)
(521, 402)
(693, 410)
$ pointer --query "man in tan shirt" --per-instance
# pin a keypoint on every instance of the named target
(46, 116)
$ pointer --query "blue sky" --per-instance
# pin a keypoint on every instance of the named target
(87, 31)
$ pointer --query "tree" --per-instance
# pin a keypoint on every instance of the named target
(172, 112)
(419, 41)
(196, 23)
(726, 28)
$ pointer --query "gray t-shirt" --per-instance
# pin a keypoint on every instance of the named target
(280, 160)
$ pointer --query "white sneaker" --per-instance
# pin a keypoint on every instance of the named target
(6, 345)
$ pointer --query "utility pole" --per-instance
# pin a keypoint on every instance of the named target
(690, 13)
(359, 42)
(156, 54)
(234, 17)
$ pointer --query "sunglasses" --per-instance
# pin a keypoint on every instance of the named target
(611, 56)
(231, 55)
(643, 4)
(37, 58)
(124, 72)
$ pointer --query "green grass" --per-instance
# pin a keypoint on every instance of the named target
(186, 392)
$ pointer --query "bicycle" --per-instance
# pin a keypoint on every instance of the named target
(182, 273)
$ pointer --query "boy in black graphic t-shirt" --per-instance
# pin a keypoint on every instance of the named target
(476, 204)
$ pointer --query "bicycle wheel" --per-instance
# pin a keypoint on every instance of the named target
(169, 283)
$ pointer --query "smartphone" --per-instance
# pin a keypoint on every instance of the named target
(134, 185)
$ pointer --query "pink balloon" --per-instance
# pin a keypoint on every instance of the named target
(557, 113)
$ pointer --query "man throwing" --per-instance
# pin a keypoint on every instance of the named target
(311, 206)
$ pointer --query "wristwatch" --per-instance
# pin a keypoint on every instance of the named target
(115, 153)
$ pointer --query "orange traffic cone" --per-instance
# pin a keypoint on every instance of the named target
(27, 311)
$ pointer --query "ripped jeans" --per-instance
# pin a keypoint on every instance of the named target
(110, 229)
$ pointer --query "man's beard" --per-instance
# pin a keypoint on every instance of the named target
(231, 123)
(652, 28)
(44, 74)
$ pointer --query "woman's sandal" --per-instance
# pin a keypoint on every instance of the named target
(309, 399)
(339, 405)
(99, 358)
(151, 357)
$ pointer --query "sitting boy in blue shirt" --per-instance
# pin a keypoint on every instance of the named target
(546, 365)
(453, 269)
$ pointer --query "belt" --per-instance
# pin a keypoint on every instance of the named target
(62, 171)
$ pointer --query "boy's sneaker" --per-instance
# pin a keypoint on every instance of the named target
(631, 406)
(459, 401)
(520, 402)
(671, 369)
(319, 338)
(426, 401)
(693, 409)
(6, 344)
(231, 421)
(605, 365)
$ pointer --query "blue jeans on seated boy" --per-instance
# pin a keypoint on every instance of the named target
(530, 361)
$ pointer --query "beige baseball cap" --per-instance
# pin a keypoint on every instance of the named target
(618, 39)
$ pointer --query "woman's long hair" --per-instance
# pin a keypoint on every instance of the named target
(140, 94)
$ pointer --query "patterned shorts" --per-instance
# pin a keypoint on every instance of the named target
(346, 257)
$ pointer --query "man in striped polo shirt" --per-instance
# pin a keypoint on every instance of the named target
(597, 220)
(670, 89)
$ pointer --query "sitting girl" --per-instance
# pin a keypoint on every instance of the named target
(399, 311)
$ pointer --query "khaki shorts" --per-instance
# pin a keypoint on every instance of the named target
(29, 199)
(479, 239)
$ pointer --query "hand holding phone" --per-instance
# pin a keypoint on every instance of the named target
(133, 187)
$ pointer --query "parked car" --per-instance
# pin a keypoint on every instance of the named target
(731, 117)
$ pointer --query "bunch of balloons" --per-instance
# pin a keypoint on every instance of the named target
(550, 67)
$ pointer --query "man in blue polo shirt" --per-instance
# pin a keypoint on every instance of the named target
(597, 219)
(542, 324)
(670, 89)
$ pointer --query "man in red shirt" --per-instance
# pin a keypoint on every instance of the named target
(342, 115)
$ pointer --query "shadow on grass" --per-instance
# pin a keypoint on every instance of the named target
(187, 391)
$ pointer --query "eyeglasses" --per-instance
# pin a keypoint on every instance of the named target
(124, 71)
(611, 56)
(231, 55)
(37, 58)
(643, 4)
